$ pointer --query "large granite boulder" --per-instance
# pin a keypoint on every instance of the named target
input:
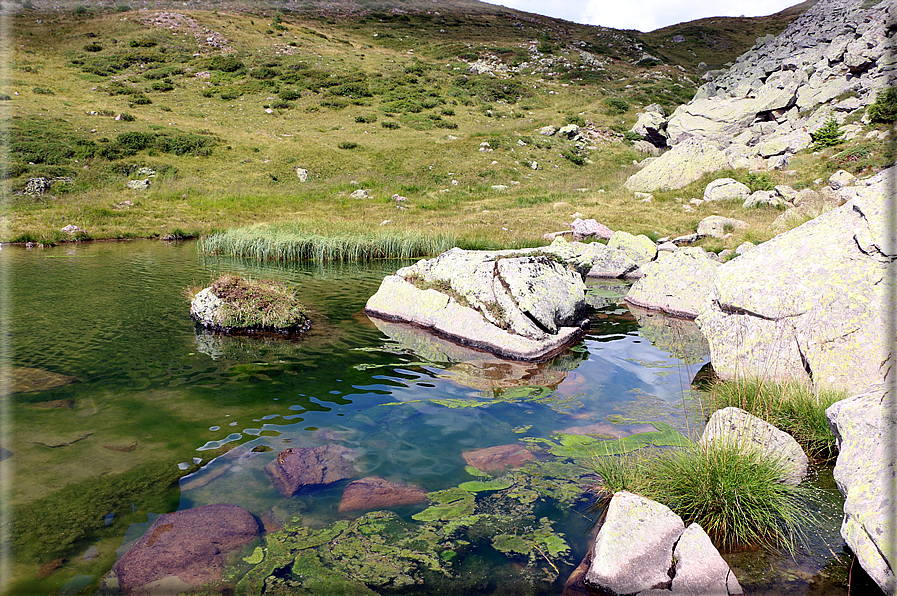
(734, 426)
(685, 163)
(644, 548)
(864, 426)
(298, 467)
(184, 550)
(676, 283)
(526, 305)
(811, 304)
(640, 249)
(651, 125)
(726, 189)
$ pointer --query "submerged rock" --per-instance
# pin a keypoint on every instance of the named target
(24, 379)
(184, 550)
(299, 467)
(375, 492)
(864, 426)
(499, 458)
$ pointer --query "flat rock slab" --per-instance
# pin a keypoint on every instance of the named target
(499, 458)
(299, 467)
(184, 550)
(607, 429)
(375, 492)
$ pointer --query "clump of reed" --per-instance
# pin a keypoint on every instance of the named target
(793, 407)
(735, 494)
(291, 242)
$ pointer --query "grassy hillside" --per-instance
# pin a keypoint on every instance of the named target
(225, 100)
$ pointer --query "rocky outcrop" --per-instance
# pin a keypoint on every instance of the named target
(644, 548)
(184, 550)
(651, 125)
(296, 468)
(375, 492)
(734, 426)
(518, 304)
(811, 304)
(676, 283)
(717, 226)
(640, 249)
(864, 427)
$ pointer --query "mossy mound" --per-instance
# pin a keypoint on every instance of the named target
(233, 304)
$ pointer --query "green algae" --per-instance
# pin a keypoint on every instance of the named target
(585, 446)
(478, 486)
(449, 504)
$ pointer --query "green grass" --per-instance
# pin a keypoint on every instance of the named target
(794, 408)
(293, 242)
(735, 494)
(257, 304)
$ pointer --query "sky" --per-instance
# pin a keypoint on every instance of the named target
(645, 15)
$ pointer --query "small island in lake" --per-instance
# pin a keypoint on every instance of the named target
(236, 305)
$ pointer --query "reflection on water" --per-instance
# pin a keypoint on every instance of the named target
(145, 387)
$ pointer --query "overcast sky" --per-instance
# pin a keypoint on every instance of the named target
(645, 15)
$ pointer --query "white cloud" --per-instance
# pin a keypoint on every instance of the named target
(644, 15)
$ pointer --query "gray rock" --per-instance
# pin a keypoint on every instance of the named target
(36, 187)
(548, 131)
(138, 184)
(569, 131)
(744, 247)
(651, 126)
(717, 226)
(517, 304)
(676, 283)
(734, 426)
(786, 192)
(71, 229)
(841, 179)
(640, 249)
(810, 304)
(589, 228)
(763, 198)
(299, 467)
(700, 570)
(686, 162)
(633, 550)
(791, 142)
(864, 426)
(204, 307)
(146, 172)
(667, 247)
(724, 189)
(302, 174)
(360, 194)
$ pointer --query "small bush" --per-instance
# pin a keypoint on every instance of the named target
(885, 107)
(289, 94)
(142, 101)
(348, 145)
(390, 125)
(229, 94)
(43, 91)
(283, 105)
(264, 73)
(615, 106)
(162, 86)
(93, 47)
(577, 120)
(828, 136)
(632, 136)
(143, 43)
(758, 181)
(573, 157)
(365, 119)
(225, 64)
(126, 117)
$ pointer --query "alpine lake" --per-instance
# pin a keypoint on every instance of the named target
(118, 409)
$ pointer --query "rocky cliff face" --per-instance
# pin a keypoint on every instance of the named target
(797, 80)
(829, 63)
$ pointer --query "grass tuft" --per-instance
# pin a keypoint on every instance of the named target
(257, 304)
(735, 494)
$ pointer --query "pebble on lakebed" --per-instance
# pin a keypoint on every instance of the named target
(234, 304)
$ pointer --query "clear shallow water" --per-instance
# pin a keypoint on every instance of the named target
(151, 388)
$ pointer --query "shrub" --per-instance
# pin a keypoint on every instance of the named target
(632, 136)
(616, 106)
(348, 145)
(142, 101)
(828, 135)
(885, 107)
(758, 181)
(283, 105)
(264, 73)
(289, 94)
(93, 47)
(577, 120)
(162, 86)
(573, 157)
(126, 117)
(389, 124)
(225, 64)
(365, 119)
(143, 43)
(43, 91)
